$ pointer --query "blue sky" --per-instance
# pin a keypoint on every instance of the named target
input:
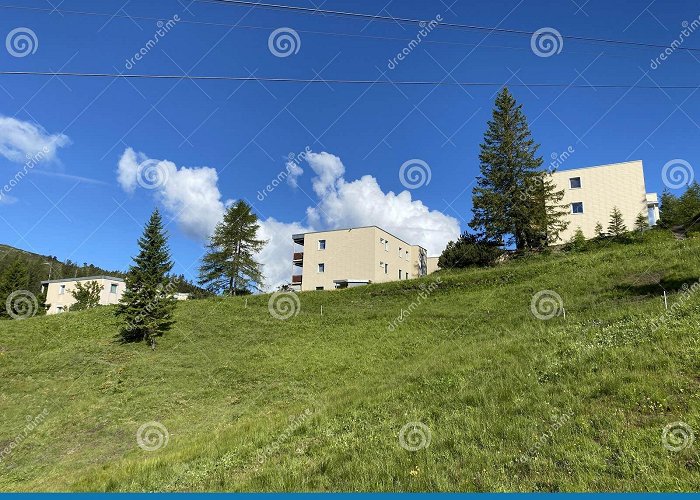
(73, 205)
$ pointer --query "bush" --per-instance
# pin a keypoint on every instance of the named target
(469, 251)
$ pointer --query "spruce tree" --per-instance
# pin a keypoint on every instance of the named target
(616, 226)
(669, 210)
(229, 265)
(514, 202)
(599, 233)
(641, 223)
(147, 303)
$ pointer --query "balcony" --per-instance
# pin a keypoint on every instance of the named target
(296, 279)
(298, 258)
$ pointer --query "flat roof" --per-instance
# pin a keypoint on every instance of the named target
(300, 235)
(64, 280)
(599, 166)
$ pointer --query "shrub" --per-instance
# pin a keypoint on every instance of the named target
(468, 251)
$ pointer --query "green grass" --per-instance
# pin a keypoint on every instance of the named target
(316, 402)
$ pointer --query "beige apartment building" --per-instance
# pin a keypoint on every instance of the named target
(343, 258)
(592, 192)
(59, 297)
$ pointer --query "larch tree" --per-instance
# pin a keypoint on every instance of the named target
(514, 201)
(147, 303)
(230, 266)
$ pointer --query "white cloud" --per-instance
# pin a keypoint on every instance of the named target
(294, 171)
(349, 204)
(276, 257)
(190, 194)
(20, 140)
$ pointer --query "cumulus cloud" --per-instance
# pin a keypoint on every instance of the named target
(189, 194)
(20, 140)
(349, 204)
(192, 196)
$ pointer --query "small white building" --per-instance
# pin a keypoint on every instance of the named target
(59, 297)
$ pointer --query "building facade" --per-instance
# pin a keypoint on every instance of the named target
(343, 258)
(59, 297)
(591, 193)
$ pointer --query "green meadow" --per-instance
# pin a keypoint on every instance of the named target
(445, 383)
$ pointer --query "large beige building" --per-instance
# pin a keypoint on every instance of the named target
(591, 193)
(344, 258)
(59, 297)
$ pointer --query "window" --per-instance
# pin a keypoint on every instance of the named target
(322, 268)
(400, 252)
(321, 244)
(577, 208)
(400, 274)
(575, 182)
(113, 288)
(59, 309)
(319, 288)
(386, 268)
(406, 254)
(62, 290)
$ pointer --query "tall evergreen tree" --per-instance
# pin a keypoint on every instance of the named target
(641, 223)
(229, 265)
(147, 303)
(515, 202)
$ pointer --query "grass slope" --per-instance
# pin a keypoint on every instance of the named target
(316, 402)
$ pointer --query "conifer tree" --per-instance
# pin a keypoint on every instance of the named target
(641, 223)
(616, 226)
(147, 303)
(599, 230)
(229, 265)
(14, 279)
(514, 202)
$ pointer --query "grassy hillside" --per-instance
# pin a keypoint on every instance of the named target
(251, 402)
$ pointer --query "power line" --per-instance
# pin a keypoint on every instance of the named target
(441, 24)
(135, 18)
(341, 81)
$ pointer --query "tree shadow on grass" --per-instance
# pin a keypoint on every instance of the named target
(654, 284)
